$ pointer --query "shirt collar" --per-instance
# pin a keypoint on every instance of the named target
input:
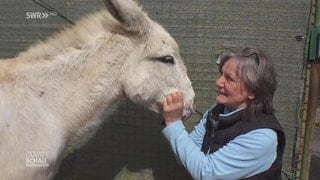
(226, 112)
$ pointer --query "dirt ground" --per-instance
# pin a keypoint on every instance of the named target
(315, 158)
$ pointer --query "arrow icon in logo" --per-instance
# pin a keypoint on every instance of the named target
(44, 15)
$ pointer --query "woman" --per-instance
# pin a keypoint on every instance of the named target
(239, 137)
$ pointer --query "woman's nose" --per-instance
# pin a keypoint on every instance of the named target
(219, 82)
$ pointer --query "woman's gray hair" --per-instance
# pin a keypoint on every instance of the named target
(256, 70)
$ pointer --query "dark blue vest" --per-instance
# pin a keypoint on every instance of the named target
(220, 131)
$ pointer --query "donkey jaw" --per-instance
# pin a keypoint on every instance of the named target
(188, 110)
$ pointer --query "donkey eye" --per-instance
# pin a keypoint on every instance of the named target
(166, 59)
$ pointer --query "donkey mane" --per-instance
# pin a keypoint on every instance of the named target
(84, 31)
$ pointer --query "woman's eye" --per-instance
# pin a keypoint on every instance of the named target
(166, 59)
(230, 79)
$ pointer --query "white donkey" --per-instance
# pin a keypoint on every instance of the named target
(60, 88)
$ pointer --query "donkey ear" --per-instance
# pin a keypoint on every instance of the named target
(128, 14)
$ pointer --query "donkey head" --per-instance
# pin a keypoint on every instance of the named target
(153, 68)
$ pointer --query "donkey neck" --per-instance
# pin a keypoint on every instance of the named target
(76, 85)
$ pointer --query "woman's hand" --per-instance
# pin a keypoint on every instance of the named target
(173, 108)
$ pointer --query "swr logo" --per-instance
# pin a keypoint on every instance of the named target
(39, 15)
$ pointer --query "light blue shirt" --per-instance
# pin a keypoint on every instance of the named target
(247, 155)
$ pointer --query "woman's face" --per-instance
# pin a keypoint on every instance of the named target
(231, 89)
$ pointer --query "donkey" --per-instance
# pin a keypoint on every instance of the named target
(58, 89)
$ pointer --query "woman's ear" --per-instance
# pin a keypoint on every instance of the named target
(251, 96)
